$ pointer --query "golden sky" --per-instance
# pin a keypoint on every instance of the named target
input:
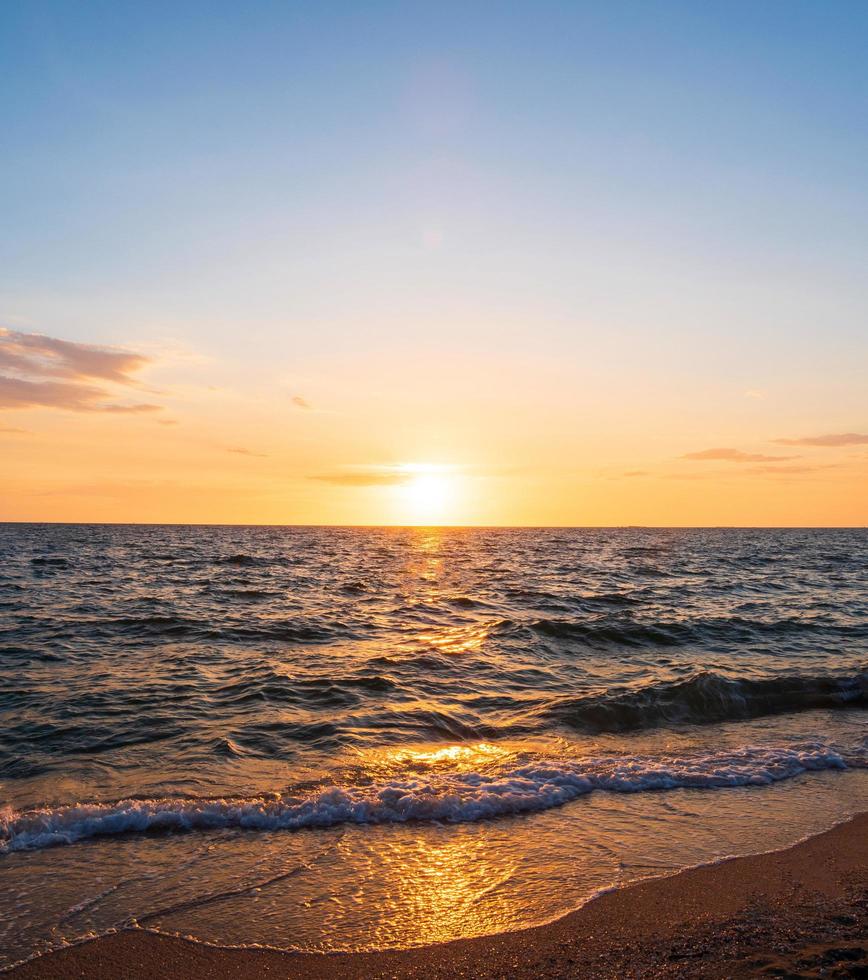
(92, 433)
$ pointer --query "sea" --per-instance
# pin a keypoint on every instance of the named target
(367, 738)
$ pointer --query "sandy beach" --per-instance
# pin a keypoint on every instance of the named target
(800, 912)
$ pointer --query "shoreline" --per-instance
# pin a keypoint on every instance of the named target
(800, 911)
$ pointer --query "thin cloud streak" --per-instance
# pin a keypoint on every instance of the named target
(734, 456)
(788, 470)
(241, 451)
(834, 439)
(21, 393)
(363, 479)
(383, 474)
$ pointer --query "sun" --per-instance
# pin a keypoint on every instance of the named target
(429, 493)
(428, 496)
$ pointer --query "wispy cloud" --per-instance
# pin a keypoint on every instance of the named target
(363, 478)
(11, 430)
(735, 456)
(636, 473)
(790, 470)
(300, 402)
(833, 439)
(41, 371)
(34, 353)
(21, 393)
(241, 451)
(380, 474)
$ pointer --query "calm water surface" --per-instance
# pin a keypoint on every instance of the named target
(353, 738)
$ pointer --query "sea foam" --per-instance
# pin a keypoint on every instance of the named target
(541, 784)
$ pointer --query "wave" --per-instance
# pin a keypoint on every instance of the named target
(291, 629)
(254, 594)
(457, 797)
(707, 697)
(311, 692)
(241, 559)
(626, 632)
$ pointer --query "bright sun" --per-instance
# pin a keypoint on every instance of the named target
(428, 496)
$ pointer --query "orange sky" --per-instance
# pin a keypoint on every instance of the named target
(102, 434)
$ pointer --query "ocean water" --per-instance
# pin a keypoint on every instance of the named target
(325, 738)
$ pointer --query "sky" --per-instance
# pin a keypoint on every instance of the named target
(502, 263)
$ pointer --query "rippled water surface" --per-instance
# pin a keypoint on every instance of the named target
(368, 737)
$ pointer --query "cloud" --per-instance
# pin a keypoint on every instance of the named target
(11, 430)
(636, 473)
(33, 353)
(834, 439)
(21, 393)
(129, 409)
(735, 456)
(384, 474)
(788, 470)
(370, 478)
(245, 452)
(300, 402)
(44, 372)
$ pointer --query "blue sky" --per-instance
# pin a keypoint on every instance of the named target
(149, 142)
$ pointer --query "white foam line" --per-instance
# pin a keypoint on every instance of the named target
(450, 797)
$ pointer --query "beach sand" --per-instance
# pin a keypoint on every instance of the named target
(800, 912)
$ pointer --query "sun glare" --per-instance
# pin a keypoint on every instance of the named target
(429, 495)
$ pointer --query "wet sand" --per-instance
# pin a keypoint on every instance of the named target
(800, 912)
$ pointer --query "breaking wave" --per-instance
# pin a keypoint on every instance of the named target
(707, 697)
(456, 797)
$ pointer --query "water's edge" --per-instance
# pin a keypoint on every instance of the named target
(540, 924)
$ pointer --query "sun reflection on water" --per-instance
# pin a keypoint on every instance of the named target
(443, 896)
(459, 756)
(456, 639)
(395, 761)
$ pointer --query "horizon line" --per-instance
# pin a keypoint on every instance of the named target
(458, 527)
